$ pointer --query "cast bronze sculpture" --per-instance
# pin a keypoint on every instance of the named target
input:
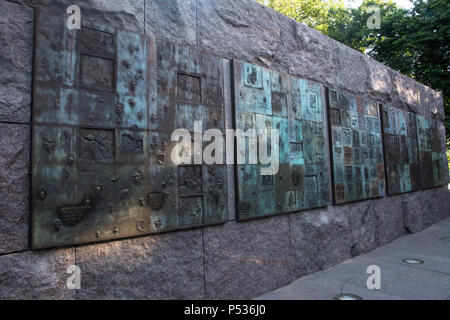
(356, 147)
(400, 149)
(266, 99)
(105, 104)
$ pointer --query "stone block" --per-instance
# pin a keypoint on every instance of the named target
(436, 104)
(243, 29)
(378, 82)
(246, 259)
(363, 220)
(406, 94)
(389, 212)
(14, 187)
(419, 210)
(16, 54)
(320, 239)
(351, 69)
(39, 275)
(122, 14)
(167, 266)
(441, 196)
(173, 20)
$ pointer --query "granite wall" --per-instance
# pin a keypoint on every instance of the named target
(234, 260)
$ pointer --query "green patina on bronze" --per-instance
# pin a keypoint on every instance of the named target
(433, 161)
(356, 148)
(266, 99)
(401, 150)
(105, 104)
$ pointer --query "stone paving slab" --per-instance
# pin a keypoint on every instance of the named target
(315, 287)
(399, 280)
(435, 260)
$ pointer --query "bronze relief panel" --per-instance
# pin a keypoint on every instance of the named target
(266, 99)
(356, 147)
(433, 161)
(106, 102)
(401, 150)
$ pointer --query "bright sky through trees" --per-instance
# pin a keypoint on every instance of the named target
(405, 4)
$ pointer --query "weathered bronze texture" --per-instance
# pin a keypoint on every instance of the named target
(433, 162)
(266, 99)
(400, 150)
(356, 147)
(105, 104)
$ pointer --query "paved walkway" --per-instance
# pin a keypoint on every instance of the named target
(399, 280)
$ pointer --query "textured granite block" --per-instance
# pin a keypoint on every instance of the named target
(412, 215)
(419, 210)
(436, 104)
(363, 220)
(442, 136)
(122, 14)
(431, 213)
(243, 29)
(36, 275)
(432, 100)
(168, 266)
(173, 20)
(378, 82)
(442, 198)
(320, 239)
(406, 93)
(246, 259)
(14, 187)
(307, 53)
(350, 69)
(389, 212)
(16, 52)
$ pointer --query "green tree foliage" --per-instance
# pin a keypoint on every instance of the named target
(351, 26)
(315, 13)
(415, 42)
